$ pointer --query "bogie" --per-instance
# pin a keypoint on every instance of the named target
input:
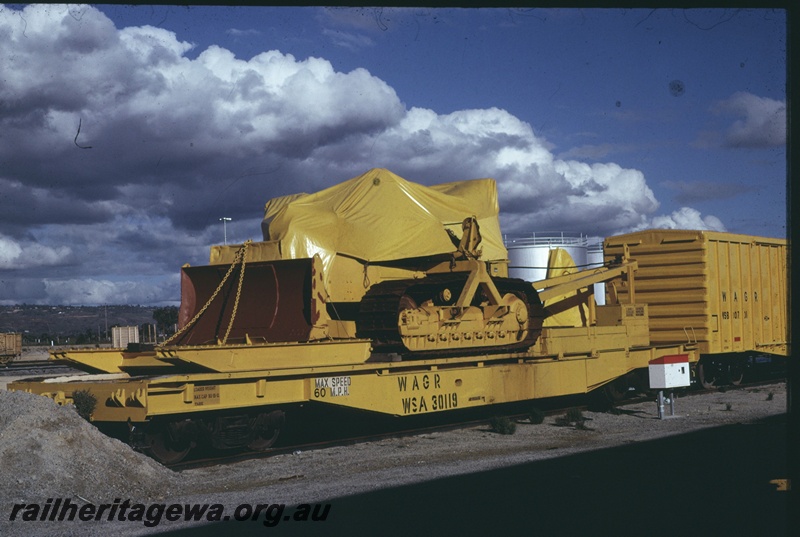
(169, 441)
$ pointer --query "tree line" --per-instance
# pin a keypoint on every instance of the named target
(166, 321)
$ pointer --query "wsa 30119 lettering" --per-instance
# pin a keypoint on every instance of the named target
(429, 403)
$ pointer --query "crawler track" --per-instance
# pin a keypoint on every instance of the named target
(381, 305)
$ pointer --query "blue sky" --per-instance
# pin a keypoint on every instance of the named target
(598, 121)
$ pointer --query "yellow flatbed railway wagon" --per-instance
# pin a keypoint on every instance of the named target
(172, 408)
(724, 292)
(376, 294)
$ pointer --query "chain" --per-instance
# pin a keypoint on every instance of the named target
(238, 292)
(240, 255)
(367, 283)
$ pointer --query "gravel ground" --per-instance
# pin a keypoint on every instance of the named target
(50, 452)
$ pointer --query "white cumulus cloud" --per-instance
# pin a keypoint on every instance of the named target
(93, 292)
(178, 142)
(762, 120)
(15, 255)
(685, 218)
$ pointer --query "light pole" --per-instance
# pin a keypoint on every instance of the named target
(225, 221)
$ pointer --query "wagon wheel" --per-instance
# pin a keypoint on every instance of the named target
(708, 374)
(164, 448)
(736, 372)
(617, 390)
(266, 429)
(4, 360)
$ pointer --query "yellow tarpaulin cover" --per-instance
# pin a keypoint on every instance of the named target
(379, 216)
(560, 263)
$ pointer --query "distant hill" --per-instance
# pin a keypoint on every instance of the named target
(50, 322)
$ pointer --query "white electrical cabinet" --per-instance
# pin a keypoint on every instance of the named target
(669, 372)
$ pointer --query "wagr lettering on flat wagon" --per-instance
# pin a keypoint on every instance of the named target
(419, 382)
(424, 402)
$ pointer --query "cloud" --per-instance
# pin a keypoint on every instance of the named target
(235, 32)
(697, 191)
(593, 152)
(22, 290)
(348, 40)
(762, 123)
(178, 142)
(685, 218)
(536, 190)
(93, 292)
(364, 19)
(17, 256)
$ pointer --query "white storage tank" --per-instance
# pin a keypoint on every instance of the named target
(528, 254)
(594, 259)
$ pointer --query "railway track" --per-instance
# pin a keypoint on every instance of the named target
(548, 409)
(36, 367)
